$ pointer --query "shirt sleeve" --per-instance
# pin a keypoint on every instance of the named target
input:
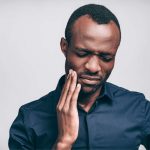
(146, 133)
(18, 136)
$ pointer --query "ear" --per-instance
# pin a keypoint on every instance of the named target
(64, 46)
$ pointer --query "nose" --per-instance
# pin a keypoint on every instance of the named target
(93, 64)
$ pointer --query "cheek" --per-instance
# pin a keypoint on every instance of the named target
(107, 68)
(74, 63)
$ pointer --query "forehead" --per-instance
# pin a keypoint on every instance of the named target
(86, 31)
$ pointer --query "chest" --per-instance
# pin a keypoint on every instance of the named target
(107, 130)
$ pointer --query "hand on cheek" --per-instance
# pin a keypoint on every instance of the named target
(67, 113)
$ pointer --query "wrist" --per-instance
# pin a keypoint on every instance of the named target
(62, 146)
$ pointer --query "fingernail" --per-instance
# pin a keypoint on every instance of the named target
(78, 85)
(70, 71)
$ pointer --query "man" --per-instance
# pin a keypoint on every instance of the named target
(85, 111)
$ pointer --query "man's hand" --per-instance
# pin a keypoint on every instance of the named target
(67, 114)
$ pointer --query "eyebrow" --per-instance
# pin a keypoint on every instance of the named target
(82, 49)
(90, 52)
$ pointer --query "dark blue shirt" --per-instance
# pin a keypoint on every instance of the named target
(119, 120)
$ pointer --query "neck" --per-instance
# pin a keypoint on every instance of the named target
(87, 100)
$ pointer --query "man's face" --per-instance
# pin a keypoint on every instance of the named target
(91, 52)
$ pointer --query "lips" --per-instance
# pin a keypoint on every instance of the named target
(92, 80)
(90, 77)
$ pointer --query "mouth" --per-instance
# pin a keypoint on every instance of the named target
(90, 80)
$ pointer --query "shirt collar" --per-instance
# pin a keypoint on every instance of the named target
(106, 92)
(59, 87)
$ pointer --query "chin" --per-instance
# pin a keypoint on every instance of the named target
(89, 89)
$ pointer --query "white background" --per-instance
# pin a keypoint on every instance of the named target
(31, 61)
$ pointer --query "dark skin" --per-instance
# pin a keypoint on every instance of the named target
(91, 56)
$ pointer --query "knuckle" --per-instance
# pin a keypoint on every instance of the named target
(75, 95)
(64, 110)
(71, 114)
(65, 89)
(58, 109)
(70, 91)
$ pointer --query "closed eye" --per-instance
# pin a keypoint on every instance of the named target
(82, 54)
(106, 58)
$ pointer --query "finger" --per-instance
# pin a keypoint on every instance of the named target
(73, 103)
(71, 89)
(64, 91)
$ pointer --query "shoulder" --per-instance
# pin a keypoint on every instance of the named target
(130, 101)
(127, 97)
(119, 91)
(44, 104)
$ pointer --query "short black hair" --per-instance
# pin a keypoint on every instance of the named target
(98, 13)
